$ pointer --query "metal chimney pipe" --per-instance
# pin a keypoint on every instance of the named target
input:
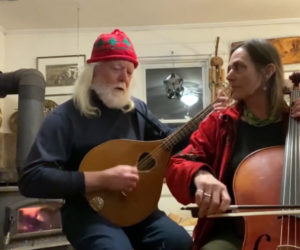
(29, 84)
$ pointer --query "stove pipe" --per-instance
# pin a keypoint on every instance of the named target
(29, 84)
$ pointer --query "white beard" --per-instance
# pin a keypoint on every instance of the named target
(111, 96)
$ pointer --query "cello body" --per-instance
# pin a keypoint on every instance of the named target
(257, 181)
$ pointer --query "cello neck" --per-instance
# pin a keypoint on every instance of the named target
(290, 187)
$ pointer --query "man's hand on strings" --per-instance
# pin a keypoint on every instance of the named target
(123, 178)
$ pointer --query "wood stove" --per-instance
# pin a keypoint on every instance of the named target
(25, 223)
(30, 223)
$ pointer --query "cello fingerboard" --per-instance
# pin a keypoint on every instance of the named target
(290, 192)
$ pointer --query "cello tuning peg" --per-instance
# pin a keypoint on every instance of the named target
(295, 78)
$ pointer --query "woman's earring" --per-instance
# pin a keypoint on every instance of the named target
(265, 87)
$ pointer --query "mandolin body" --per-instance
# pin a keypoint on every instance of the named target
(130, 208)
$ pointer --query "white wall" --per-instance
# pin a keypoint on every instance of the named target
(23, 47)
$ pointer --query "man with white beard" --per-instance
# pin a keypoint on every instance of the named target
(100, 110)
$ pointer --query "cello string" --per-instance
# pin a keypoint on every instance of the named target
(293, 194)
(298, 176)
(294, 166)
(296, 186)
(285, 173)
(290, 167)
(293, 183)
(288, 170)
(294, 158)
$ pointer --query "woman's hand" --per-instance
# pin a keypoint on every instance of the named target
(222, 101)
(211, 195)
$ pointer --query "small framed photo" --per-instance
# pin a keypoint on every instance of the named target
(60, 70)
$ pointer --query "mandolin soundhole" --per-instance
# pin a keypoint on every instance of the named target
(145, 162)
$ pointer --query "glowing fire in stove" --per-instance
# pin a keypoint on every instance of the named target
(40, 218)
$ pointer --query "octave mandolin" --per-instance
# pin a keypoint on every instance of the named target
(151, 159)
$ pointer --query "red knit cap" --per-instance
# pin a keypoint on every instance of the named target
(115, 45)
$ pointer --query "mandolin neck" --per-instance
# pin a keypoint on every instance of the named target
(174, 138)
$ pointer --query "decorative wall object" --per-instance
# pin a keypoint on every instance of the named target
(7, 156)
(49, 105)
(60, 70)
(288, 48)
(13, 122)
(216, 73)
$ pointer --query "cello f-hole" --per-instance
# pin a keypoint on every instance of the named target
(259, 239)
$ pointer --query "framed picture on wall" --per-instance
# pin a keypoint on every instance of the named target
(176, 87)
(60, 70)
(175, 95)
(287, 47)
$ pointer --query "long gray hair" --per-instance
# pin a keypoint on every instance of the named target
(82, 92)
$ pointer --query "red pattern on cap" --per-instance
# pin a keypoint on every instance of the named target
(113, 46)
